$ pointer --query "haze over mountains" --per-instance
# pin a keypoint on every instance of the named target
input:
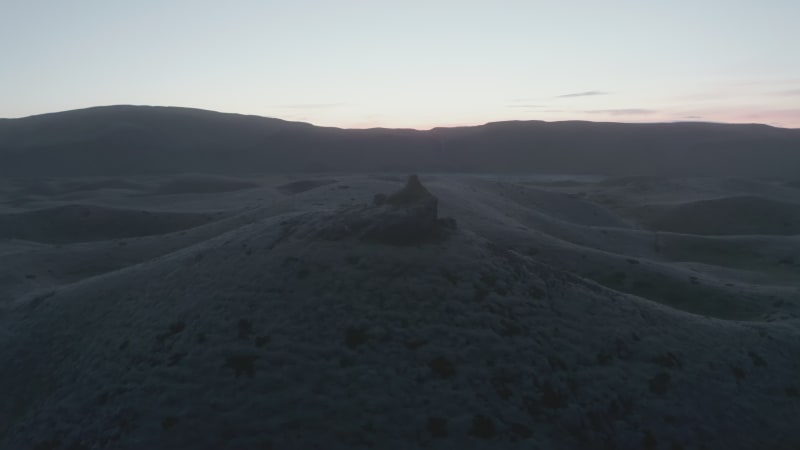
(125, 140)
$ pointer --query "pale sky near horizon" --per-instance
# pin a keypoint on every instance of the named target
(416, 64)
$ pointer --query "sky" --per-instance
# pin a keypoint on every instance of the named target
(411, 64)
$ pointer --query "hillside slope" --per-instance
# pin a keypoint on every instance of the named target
(327, 317)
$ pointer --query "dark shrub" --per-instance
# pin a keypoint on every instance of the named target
(442, 367)
(482, 427)
(437, 426)
(659, 383)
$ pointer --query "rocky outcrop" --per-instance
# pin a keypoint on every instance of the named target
(408, 216)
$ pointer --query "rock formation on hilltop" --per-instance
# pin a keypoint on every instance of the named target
(408, 216)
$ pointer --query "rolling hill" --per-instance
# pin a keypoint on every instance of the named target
(125, 140)
(320, 312)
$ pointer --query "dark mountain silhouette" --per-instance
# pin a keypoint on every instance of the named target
(123, 140)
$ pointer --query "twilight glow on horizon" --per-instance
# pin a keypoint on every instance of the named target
(415, 64)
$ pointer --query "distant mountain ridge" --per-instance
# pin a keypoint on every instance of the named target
(126, 140)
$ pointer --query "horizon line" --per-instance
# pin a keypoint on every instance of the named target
(130, 105)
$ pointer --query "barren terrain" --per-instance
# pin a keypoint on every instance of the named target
(300, 311)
